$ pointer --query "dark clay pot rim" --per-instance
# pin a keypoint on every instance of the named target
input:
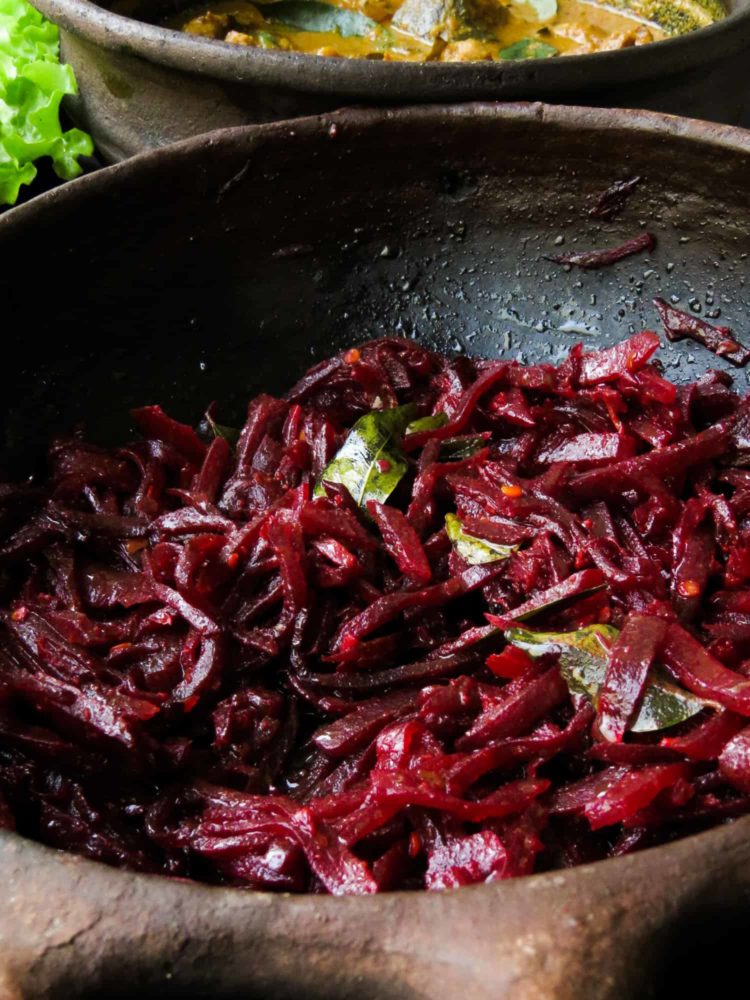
(570, 117)
(62, 201)
(377, 80)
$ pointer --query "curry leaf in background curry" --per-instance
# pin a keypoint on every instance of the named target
(475, 551)
(583, 656)
(528, 48)
(312, 15)
(371, 463)
(266, 40)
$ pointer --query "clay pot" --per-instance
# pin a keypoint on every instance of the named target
(143, 86)
(273, 246)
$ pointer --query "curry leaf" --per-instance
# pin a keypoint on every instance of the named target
(453, 449)
(430, 423)
(528, 48)
(475, 551)
(370, 463)
(583, 657)
(210, 426)
(311, 15)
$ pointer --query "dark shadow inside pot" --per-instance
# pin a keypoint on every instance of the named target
(703, 952)
(221, 275)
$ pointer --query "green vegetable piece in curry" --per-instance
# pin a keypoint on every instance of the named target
(446, 30)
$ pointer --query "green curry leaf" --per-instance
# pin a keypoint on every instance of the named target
(528, 48)
(371, 463)
(475, 550)
(583, 656)
(453, 449)
(312, 15)
(230, 434)
(430, 423)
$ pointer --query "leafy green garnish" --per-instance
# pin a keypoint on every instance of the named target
(583, 657)
(528, 48)
(430, 423)
(453, 449)
(371, 463)
(312, 15)
(475, 551)
(230, 434)
(32, 84)
(266, 40)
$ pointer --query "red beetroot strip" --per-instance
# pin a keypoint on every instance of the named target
(215, 664)
(719, 339)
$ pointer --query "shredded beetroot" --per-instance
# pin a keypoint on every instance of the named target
(631, 658)
(591, 259)
(428, 622)
(719, 339)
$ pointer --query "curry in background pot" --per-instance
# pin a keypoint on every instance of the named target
(447, 30)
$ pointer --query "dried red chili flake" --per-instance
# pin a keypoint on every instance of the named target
(678, 325)
(269, 667)
(591, 259)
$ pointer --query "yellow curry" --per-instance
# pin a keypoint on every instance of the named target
(447, 30)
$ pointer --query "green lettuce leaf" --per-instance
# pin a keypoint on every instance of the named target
(32, 85)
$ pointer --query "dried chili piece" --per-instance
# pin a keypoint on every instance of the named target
(612, 201)
(590, 260)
